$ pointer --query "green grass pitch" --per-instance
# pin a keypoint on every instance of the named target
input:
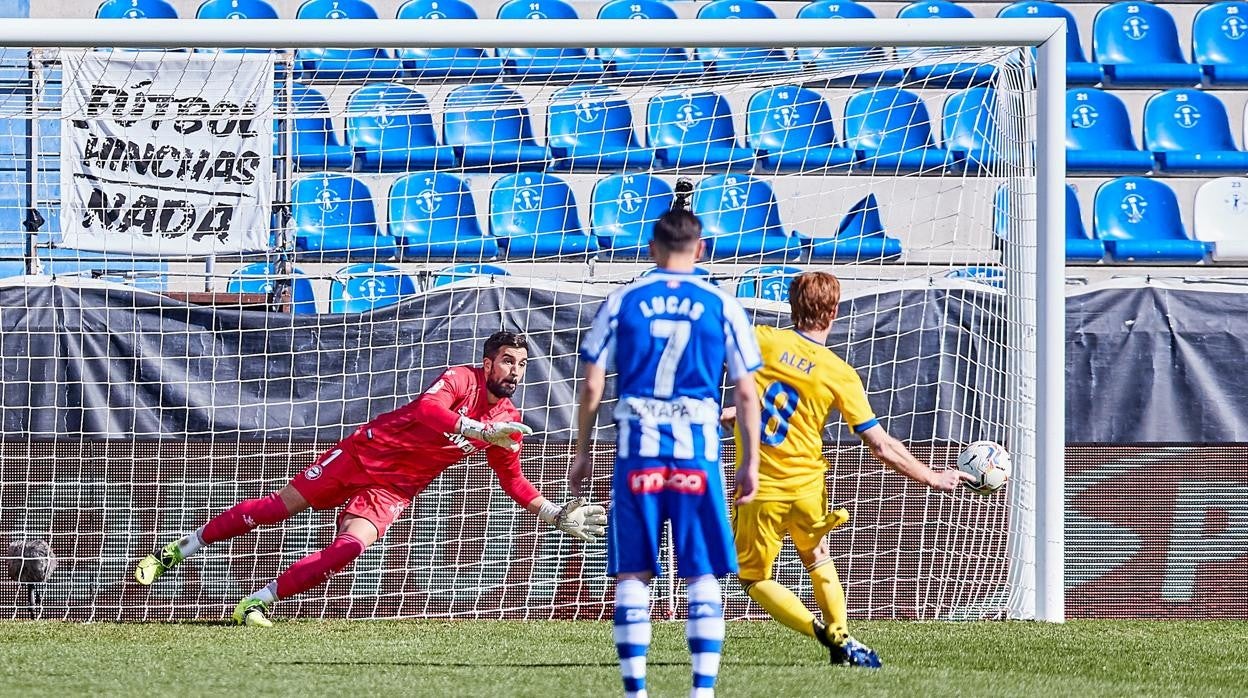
(350, 659)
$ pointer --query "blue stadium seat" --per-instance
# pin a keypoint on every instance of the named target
(1221, 218)
(970, 128)
(488, 126)
(334, 216)
(445, 62)
(359, 288)
(769, 282)
(433, 216)
(943, 75)
(623, 210)
(694, 129)
(459, 272)
(1079, 71)
(534, 215)
(644, 61)
(546, 62)
(391, 129)
(314, 143)
(590, 127)
(344, 64)
(1220, 43)
(892, 132)
(791, 129)
(1137, 44)
(859, 236)
(742, 60)
(1080, 245)
(1190, 133)
(845, 57)
(236, 9)
(260, 277)
(740, 218)
(1138, 220)
(1098, 135)
(135, 9)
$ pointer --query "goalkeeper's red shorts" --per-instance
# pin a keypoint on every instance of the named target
(337, 477)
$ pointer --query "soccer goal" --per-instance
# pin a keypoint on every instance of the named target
(229, 247)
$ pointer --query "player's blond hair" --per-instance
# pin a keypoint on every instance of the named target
(813, 299)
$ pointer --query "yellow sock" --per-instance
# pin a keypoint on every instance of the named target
(830, 596)
(783, 605)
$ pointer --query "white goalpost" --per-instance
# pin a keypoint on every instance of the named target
(361, 221)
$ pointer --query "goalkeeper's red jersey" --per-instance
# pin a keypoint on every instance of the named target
(406, 449)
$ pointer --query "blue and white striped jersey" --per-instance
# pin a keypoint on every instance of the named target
(669, 336)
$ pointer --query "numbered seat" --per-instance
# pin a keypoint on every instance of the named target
(767, 282)
(647, 60)
(262, 277)
(790, 129)
(314, 143)
(1079, 70)
(860, 236)
(742, 60)
(339, 63)
(942, 75)
(892, 133)
(1137, 44)
(740, 219)
(1220, 43)
(390, 127)
(1189, 132)
(1221, 218)
(534, 215)
(590, 127)
(460, 272)
(236, 9)
(1098, 135)
(623, 211)
(694, 129)
(433, 216)
(545, 62)
(334, 217)
(1138, 220)
(488, 126)
(135, 9)
(430, 62)
(360, 288)
(850, 59)
(970, 129)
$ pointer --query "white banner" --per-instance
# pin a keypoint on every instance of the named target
(167, 153)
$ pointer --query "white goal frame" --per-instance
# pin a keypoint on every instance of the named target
(1041, 547)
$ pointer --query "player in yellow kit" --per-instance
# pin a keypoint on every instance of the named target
(800, 383)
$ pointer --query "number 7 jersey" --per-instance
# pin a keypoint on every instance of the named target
(799, 384)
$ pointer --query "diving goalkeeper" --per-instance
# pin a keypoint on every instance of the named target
(800, 382)
(379, 468)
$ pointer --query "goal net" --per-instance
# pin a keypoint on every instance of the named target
(220, 262)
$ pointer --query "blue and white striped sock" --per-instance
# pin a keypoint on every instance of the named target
(632, 634)
(705, 632)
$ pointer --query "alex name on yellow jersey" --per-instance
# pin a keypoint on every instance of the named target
(799, 385)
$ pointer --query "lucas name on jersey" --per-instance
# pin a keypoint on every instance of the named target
(797, 362)
(671, 305)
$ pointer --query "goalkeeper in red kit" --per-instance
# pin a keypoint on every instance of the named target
(379, 468)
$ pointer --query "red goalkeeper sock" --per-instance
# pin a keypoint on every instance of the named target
(243, 517)
(317, 568)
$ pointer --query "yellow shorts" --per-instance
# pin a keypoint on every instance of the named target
(759, 528)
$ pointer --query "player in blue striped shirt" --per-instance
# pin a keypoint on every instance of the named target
(669, 336)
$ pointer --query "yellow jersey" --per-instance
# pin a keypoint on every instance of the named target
(799, 385)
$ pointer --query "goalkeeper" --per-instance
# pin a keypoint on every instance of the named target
(800, 382)
(379, 468)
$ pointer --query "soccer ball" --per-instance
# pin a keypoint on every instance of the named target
(989, 463)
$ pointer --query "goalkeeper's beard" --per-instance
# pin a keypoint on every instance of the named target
(502, 388)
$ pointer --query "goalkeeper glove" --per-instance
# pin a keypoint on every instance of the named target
(496, 433)
(577, 518)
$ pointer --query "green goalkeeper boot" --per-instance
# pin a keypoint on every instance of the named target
(252, 612)
(151, 567)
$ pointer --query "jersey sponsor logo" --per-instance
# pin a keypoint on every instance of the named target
(682, 409)
(461, 442)
(656, 480)
(312, 473)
